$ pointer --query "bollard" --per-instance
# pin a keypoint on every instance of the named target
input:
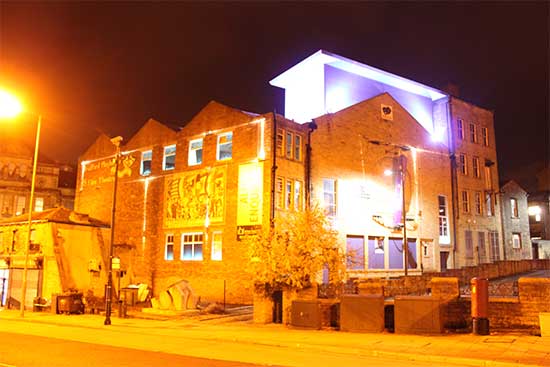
(480, 306)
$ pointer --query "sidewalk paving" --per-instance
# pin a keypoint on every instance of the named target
(276, 344)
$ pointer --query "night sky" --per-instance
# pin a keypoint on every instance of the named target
(92, 67)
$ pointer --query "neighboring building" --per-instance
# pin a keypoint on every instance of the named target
(67, 251)
(54, 183)
(515, 222)
(185, 199)
(539, 216)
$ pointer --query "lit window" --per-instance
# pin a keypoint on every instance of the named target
(225, 146)
(20, 205)
(535, 211)
(280, 138)
(297, 147)
(465, 202)
(462, 166)
(191, 246)
(489, 204)
(195, 152)
(485, 136)
(329, 196)
(473, 133)
(288, 145)
(288, 194)
(516, 240)
(169, 158)
(216, 246)
(279, 192)
(475, 165)
(39, 204)
(146, 159)
(443, 220)
(297, 195)
(460, 127)
(479, 209)
(488, 178)
(514, 208)
(169, 248)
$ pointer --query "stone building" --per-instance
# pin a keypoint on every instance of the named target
(67, 251)
(186, 198)
(54, 184)
(515, 222)
(539, 216)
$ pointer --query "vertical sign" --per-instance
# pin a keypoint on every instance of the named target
(250, 191)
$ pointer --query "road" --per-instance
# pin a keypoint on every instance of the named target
(35, 351)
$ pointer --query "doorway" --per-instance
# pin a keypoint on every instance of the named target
(277, 299)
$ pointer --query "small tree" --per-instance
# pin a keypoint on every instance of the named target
(292, 253)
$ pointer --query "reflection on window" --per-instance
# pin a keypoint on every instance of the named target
(225, 146)
(195, 152)
(146, 159)
(169, 159)
(169, 247)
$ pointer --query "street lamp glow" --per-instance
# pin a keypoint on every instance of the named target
(9, 105)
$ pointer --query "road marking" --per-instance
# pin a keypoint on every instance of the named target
(6, 365)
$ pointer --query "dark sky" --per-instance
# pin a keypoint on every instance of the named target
(93, 67)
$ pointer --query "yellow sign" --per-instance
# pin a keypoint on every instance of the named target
(249, 207)
(193, 196)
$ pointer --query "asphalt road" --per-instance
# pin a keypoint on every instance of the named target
(18, 350)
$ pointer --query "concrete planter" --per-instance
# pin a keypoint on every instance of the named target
(544, 318)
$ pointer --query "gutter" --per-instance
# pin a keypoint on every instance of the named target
(312, 127)
(454, 181)
(273, 169)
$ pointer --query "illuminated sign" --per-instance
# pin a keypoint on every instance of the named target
(249, 205)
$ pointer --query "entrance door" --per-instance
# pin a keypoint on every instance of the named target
(277, 307)
(443, 256)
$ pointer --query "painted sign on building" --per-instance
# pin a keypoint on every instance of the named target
(195, 198)
(249, 207)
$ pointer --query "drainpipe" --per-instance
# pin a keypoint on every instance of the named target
(454, 181)
(312, 127)
(273, 169)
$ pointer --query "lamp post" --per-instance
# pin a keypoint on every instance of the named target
(108, 292)
(10, 107)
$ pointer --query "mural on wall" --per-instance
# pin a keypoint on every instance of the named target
(194, 197)
(15, 171)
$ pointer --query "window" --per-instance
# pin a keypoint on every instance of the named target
(479, 209)
(355, 252)
(329, 196)
(195, 152)
(297, 195)
(469, 244)
(169, 158)
(460, 126)
(465, 202)
(489, 205)
(169, 248)
(297, 147)
(443, 220)
(146, 159)
(473, 133)
(493, 242)
(516, 240)
(488, 178)
(280, 138)
(216, 246)
(462, 166)
(288, 194)
(288, 145)
(485, 136)
(514, 208)
(481, 247)
(535, 211)
(475, 165)
(39, 204)
(225, 146)
(191, 246)
(279, 192)
(20, 205)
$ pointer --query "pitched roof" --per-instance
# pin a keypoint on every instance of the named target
(56, 215)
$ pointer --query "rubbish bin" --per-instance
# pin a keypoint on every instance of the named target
(480, 306)
(70, 303)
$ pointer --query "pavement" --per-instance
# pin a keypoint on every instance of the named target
(236, 338)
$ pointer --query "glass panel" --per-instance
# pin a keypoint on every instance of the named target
(376, 253)
(396, 253)
(355, 250)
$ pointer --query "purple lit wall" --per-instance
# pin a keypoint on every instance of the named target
(343, 89)
(376, 253)
(396, 253)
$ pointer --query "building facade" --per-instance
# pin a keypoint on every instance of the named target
(515, 222)
(406, 173)
(539, 216)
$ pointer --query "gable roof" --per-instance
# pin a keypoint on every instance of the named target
(101, 147)
(151, 133)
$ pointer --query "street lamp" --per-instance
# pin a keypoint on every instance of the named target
(108, 292)
(10, 107)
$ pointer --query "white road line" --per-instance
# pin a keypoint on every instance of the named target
(6, 365)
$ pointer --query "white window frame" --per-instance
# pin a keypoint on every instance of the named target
(280, 141)
(39, 204)
(297, 147)
(143, 160)
(465, 196)
(197, 238)
(279, 189)
(168, 154)
(217, 246)
(331, 209)
(297, 195)
(478, 203)
(514, 210)
(192, 158)
(460, 128)
(475, 165)
(20, 204)
(227, 143)
(516, 240)
(485, 136)
(169, 242)
(289, 194)
(463, 164)
(473, 133)
(444, 236)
